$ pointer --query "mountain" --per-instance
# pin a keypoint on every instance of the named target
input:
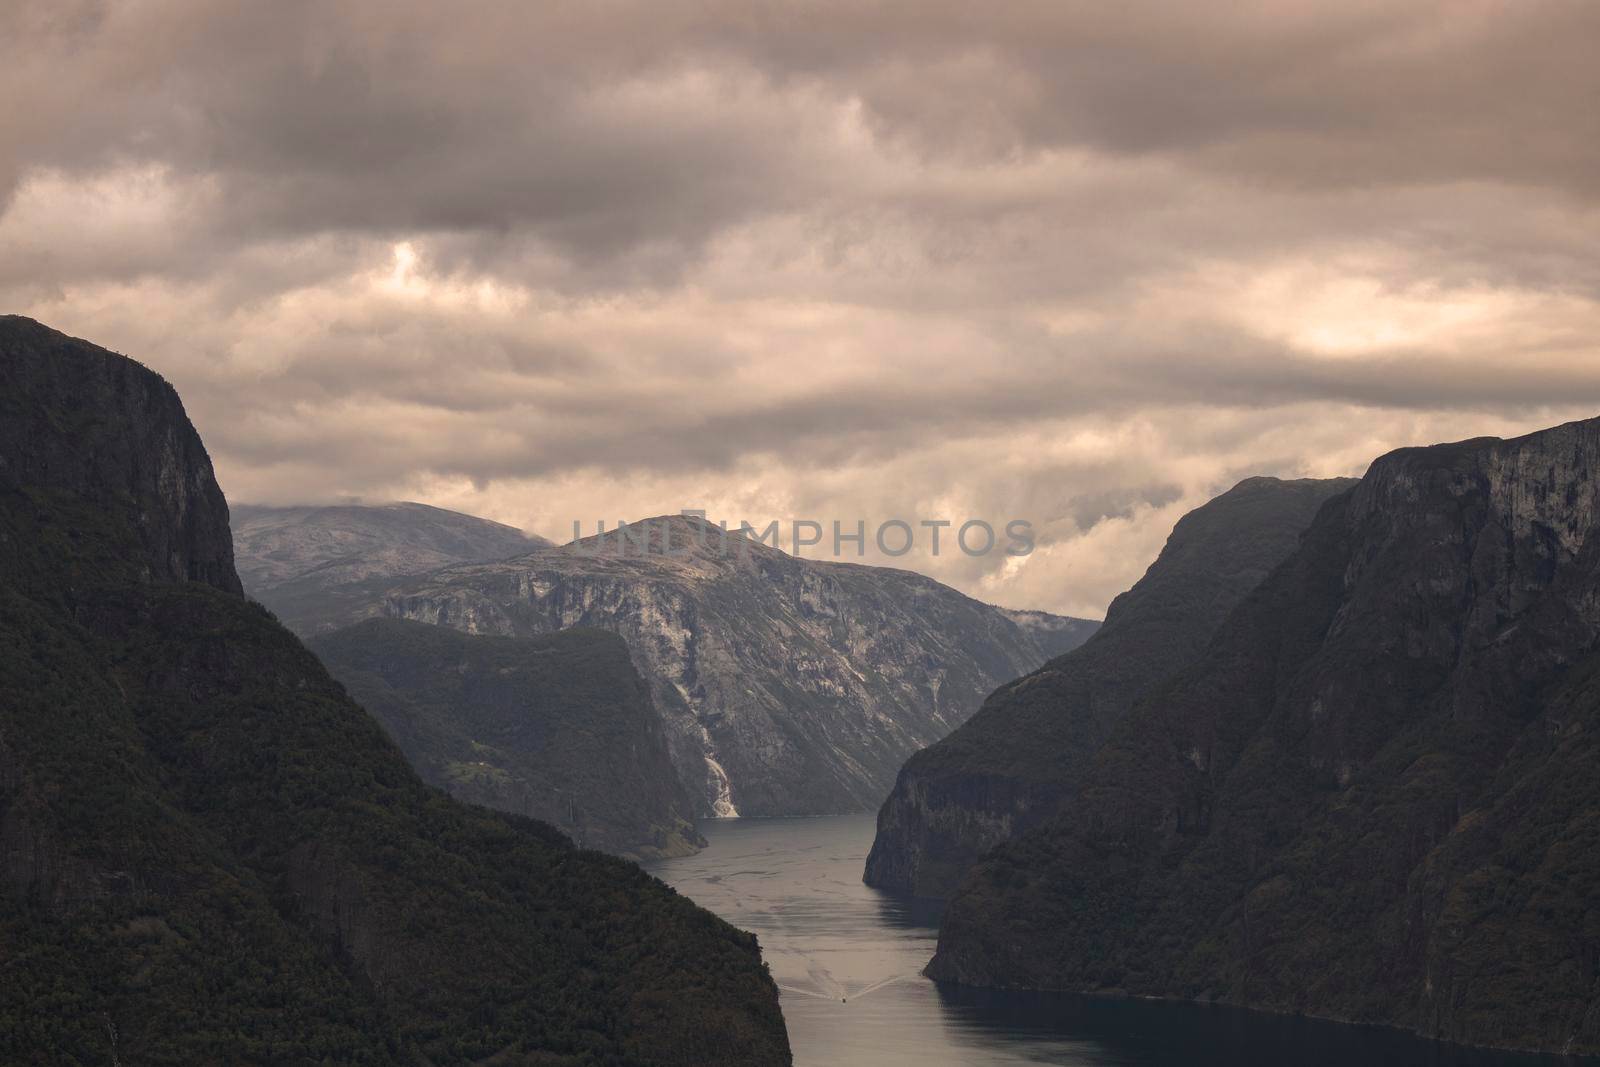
(1373, 797)
(559, 727)
(209, 854)
(313, 565)
(788, 686)
(1011, 765)
(1054, 634)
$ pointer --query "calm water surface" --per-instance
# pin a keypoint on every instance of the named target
(847, 957)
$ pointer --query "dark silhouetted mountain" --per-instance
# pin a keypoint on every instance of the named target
(314, 566)
(1374, 797)
(1010, 766)
(209, 854)
(558, 727)
(788, 686)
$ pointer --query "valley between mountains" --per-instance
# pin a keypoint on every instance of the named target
(1333, 755)
(1328, 756)
(783, 686)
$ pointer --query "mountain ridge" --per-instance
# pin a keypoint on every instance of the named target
(1010, 765)
(1373, 798)
(312, 564)
(789, 686)
(212, 855)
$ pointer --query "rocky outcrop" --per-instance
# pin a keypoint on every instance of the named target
(558, 727)
(211, 855)
(1372, 797)
(80, 421)
(788, 686)
(318, 567)
(1011, 765)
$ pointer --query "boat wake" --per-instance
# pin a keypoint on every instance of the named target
(842, 994)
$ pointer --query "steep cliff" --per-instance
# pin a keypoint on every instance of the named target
(208, 854)
(315, 566)
(558, 727)
(82, 424)
(1010, 766)
(788, 686)
(1373, 797)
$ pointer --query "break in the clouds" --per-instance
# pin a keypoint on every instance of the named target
(1079, 263)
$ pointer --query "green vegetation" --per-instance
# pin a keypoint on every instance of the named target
(230, 863)
(213, 856)
(559, 727)
(1373, 798)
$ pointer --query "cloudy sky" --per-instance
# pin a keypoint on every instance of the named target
(1084, 264)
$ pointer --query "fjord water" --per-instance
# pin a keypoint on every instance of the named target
(847, 960)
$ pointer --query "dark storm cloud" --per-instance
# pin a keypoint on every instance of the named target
(608, 126)
(379, 118)
(1084, 260)
(1308, 93)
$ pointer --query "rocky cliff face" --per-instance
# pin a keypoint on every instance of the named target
(788, 686)
(558, 727)
(1373, 797)
(314, 565)
(208, 854)
(1011, 765)
(81, 421)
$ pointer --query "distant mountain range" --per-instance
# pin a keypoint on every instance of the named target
(314, 566)
(561, 730)
(1373, 796)
(212, 855)
(786, 686)
(1011, 765)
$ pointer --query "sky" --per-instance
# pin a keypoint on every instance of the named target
(1080, 264)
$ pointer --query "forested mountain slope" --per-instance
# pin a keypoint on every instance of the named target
(1010, 766)
(559, 727)
(1373, 797)
(211, 855)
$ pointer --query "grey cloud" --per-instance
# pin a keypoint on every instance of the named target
(1079, 262)
(1088, 509)
(1308, 93)
(608, 128)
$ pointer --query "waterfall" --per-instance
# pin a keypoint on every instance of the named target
(722, 807)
